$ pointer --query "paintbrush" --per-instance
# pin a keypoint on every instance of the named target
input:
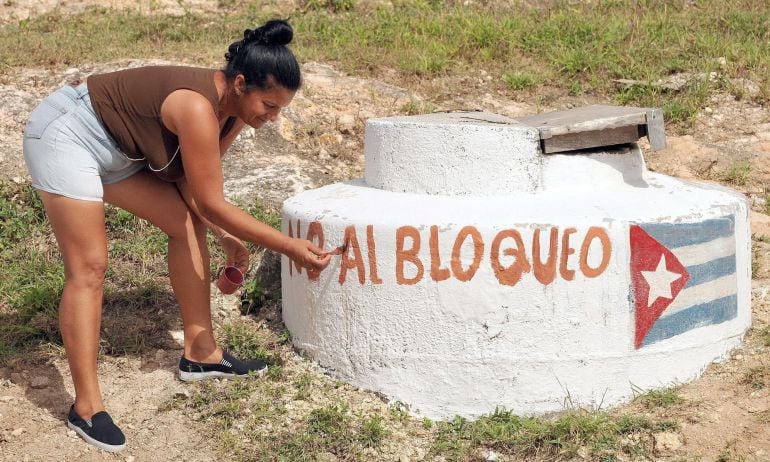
(337, 251)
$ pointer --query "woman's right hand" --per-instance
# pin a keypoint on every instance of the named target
(307, 255)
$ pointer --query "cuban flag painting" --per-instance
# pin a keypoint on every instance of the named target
(683, 277)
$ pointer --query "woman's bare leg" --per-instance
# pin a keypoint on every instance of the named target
(79, 229)
(160, 203)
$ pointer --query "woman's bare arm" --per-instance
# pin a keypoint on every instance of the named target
(191, 117)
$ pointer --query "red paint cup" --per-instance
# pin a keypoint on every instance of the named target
(229, 280)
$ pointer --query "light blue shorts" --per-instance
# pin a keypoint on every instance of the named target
(68, 151)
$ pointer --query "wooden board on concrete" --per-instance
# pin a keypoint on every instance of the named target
(596, 126)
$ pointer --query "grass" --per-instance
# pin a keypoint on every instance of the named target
(244, 341)
(738, 174)
(757, 377)
(581, 47)
(32, 279)
(662, 398)
(764, 336)
(599, 435)
(576, 48)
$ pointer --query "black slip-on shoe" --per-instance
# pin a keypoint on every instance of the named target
(229, 366)
(99, 430)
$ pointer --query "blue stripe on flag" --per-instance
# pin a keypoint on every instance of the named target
(713, 312)
(709, 271)
(673, 235)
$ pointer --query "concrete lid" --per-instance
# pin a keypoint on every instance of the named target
(449, 118)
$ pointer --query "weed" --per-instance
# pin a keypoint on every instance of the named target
(335, 6)
(400, 412)
(414, 107)
(520, 80)
(263, 213)
(372, 432)
(665, 397)
(284, 337)
(756, 263)
(303, 386)
(252, 297)
(738, 174)
(244, 341)
(274, 372)
(756, 377)
(427, 423)
(599, 434)
(764, 336)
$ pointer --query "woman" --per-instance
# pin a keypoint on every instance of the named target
(115, 139)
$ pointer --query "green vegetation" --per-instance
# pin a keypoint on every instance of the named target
(521, 80)
(577, 46)
(600, 435)
(32, 279)
(244, 341)
(764, 336)
(665, 397)
(738, 174)
(570, 47)
(757, 377)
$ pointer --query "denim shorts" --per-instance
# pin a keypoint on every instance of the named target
(67, 149)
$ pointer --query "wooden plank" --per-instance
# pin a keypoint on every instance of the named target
(656, 130)
(592, 139)
(592, 120)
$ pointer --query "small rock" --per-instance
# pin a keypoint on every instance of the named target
(72, 434)
(491, 455)
(18, 431)
(330, 139)
(708, 110)
(130, 459)
(738, 357)
(6, 399)
(39, 382)
(666, 441)
(722, 61)
(346, 123)
(403, 458)
(182, 394)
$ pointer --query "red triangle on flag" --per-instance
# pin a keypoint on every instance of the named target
(646, 255)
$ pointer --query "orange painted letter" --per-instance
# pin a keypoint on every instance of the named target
(545, 272)
(293, 263)
(314, 231)
(371, 252)
(357, 262)
(478, 252)
(436, 272)
(595, 232)
(509, 276)
(566, 251)
(408, 255)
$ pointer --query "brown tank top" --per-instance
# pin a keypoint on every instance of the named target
(128, 103)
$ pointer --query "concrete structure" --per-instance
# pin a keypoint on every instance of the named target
(480, 272)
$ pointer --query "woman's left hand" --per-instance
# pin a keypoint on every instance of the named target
(237, 253)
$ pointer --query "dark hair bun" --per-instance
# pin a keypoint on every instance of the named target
(274, 32)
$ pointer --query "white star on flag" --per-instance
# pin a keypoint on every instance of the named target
(659, 281)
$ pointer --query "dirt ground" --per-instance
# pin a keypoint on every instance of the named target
(319, 140)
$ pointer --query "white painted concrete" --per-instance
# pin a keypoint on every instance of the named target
(446, 346)
(452, 153)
